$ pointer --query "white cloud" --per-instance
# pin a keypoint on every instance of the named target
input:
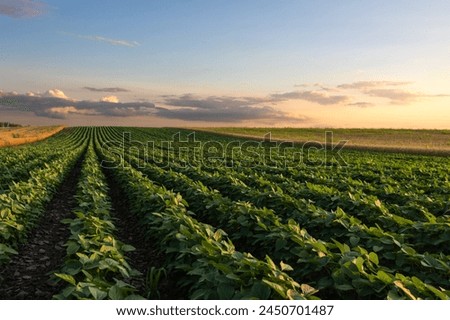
(55, 93)
(55, 104)
(112, 99)
(62, 112)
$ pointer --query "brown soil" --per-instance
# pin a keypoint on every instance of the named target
(29, 274)
(130, 231)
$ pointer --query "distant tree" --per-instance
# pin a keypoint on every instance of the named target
(9, 124)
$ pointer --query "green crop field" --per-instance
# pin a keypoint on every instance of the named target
(143, 213)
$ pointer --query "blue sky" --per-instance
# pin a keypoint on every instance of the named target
(287, 63)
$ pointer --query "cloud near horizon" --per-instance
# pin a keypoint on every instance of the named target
(55, 104)
(62, 112)
(319, 97)
(112, 99)
(360, 104)
(222, 109)
(116, 89)
(361, 85)
(396, 91)
(396, 96)
(53, 93)
(226, 109)
(22, 8)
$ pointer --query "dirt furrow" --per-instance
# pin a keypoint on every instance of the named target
(130, 231)
(29, 274)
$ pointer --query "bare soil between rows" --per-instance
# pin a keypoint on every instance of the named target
(28, 276)
(130, 231)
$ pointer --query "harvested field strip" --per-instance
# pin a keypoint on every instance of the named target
(23, 135)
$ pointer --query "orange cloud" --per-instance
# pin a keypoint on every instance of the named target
(55, 93)
(112, 99)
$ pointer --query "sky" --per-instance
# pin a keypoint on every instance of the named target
(258, 63)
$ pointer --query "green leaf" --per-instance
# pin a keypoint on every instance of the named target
(270, 263)
(280, 244)
(72, 248)
(72, 267)
(97, 293)
(225, 292)
(217, 235)
(67, 292)
(233, 276)
(320, 247)
(127, 248)
(66, 277)
(377, 248)
(294, 295)
(260, 291)
(408, 250)
(285, 267)
(354, 241)
(344, 287)
(223, 267)
(6, 249)
(383, 276)
(199, 294)
(134, 297)
(117, 293)
(277, 287)
(359, 262)
(393, 295)
(441, 295)
(122, 284)
(373, 257)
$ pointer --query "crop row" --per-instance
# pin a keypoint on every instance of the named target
(213, 267)
(24, 203)
(235, 227)
(95, 266)
(260, 228)
(394, 250)
(18, 162)
(425, 231)
(262, 231)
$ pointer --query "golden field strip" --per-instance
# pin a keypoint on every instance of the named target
(402, 140)
(20, 135)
